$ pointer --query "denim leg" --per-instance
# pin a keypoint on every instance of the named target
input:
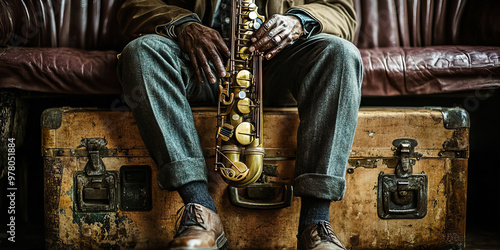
(157, 80)
(324, 75)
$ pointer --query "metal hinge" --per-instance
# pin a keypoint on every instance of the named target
(403, 195)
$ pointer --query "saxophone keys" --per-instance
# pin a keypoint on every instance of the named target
(252, 15)
(247, 25)
(226, 131)
(244, 105)
(228, 101)
(245, 37)
(236, 118)
(224, 94)
(246, 3)
(242, 94)
(245, 133)
(243, 53)
(256, 24)
(237, 172)
(244, 78)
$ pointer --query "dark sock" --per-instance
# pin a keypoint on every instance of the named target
(313, 210)
(197, 192)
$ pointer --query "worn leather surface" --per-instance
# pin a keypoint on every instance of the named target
(387, 71)
(59, 70)
(429, 70)
(60, 23)
(394, 23)
(397, 39)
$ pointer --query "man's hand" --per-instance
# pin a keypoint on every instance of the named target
(203, 44)
(275, 34)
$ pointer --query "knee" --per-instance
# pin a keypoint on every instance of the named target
(343, 57)
(339, 50)
(134, 61)
(143, 55)
(142, 47)
(134, 56)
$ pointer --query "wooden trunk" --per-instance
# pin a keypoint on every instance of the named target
(423, 206)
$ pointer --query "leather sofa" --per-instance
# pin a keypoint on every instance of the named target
(409, 47)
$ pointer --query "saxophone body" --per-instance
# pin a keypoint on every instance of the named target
(239, 152)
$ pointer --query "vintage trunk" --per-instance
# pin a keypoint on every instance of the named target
(407, 183)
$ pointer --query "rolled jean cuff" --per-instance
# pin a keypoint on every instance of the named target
(175, 174)
(319, 186)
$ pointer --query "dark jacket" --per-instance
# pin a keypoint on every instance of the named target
(137, 17)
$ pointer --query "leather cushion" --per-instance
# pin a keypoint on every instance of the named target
(387, 71)
(429, 70)
(59, 70)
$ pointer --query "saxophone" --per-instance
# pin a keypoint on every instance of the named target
(239, 153)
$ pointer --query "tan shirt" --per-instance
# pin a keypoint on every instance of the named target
(137, 17)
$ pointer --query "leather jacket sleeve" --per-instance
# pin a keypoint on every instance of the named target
(336, 17)
(137, 17)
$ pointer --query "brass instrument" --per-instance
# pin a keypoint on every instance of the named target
(239, 111)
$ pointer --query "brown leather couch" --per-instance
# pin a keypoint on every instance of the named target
(409, 47)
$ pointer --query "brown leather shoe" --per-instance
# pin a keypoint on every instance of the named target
(200, 228)
(319, 236)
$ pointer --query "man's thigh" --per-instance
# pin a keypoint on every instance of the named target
(294, 66)
(163, 63)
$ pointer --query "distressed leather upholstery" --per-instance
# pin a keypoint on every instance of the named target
(409, 47)
(415, 47)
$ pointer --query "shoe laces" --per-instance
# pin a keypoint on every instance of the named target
(324, 231)
(191, 216)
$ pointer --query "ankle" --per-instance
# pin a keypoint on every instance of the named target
(197, 192)
(313, 211)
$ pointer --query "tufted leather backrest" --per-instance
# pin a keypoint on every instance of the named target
(91, 24)
(481, 23)
(415, 23)
(86, 24)
(401, 23)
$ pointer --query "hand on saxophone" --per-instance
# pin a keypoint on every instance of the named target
(203, 44)
(275, 34)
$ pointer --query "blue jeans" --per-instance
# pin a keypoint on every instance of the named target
(321, 75)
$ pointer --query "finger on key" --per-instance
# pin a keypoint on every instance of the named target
(260, 37)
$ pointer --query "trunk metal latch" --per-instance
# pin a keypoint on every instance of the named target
(403, 195)
(96, 188)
